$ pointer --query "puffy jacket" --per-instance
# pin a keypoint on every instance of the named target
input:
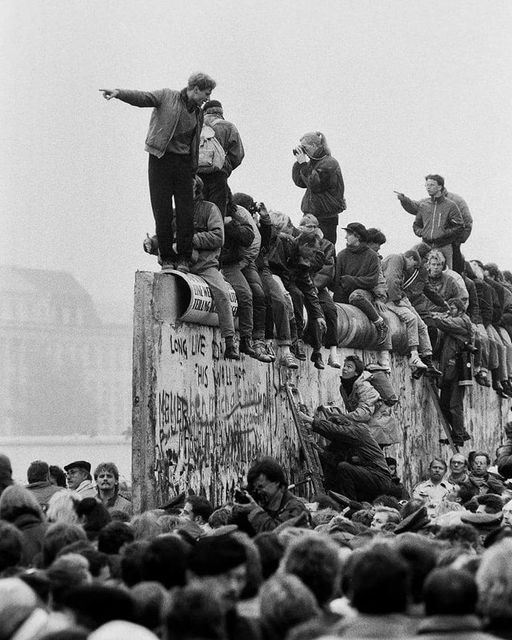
(324, 186)
(438, 221)
(229, 138)
(237, 234)
(168, 105)
(251, 252)
(208, 235)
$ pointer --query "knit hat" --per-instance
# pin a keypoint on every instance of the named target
(212, 104)
(213, 555)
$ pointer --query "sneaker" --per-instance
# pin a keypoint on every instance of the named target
(287, 360)
(316, 359)
(231, 351)
(382, 331)
(246, 347)
(167, 266)
(333, 362)
(298, 350)
(415, 362)
(260, 351)
(183, 266)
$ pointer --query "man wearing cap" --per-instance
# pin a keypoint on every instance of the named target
(215, 180)
(79, 478)
(357, 273)
(219, 562)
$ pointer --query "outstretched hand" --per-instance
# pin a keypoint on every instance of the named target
(108, 94)
(305, 418)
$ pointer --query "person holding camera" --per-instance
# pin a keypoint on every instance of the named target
(320, 174)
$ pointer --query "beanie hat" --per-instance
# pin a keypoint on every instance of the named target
(212, 104)
(213, 555)
(243, 200)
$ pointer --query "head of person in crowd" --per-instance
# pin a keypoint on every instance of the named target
(17, 602)
(412, 259)
(92, 515)
(106, 476)
(456, 307)
(507, 513)
(450, 592)
(132, 562)
(434, 184)
(314, 559)
(392, 466)
(375, 239)
(491, 270)
(66, 573)
(58, 536)
(11, 546)
(220, 563)
(387, 501)
(16, 501)
(198, 509)
(285, 602)
(61, 507)
(480, 463)
(384, 516)
(145, 526)
(314, 145)
(5, 472)
(478, 269)
(265, 479)
(282, 223)
(165, 561)
(213, 106)
(356, 234)
(309, 226)
(247, 202)
(458, 467)
(38, 471)
(352, 368)
(461, 535)
(437, 470)
(379, 581)
(99, 566)
(150, 600)
(93, 605)
(271, 551)
(423, 249)
(435, 263)
(254, 577)
(114, 536)
(58, 476)
(420, 555)
(494, 580)
(199, 88)
(195, 611)
(77, 472)
(489, 503)
(220, 517)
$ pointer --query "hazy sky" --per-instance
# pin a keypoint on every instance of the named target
(401, 88)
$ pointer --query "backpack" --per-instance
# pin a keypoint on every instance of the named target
(211, 154)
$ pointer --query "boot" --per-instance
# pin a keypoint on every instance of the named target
(431, 369)
(297, 349)
(382, 331)
(231, 349)
(246, 347)
(316, 358)
(260, 352)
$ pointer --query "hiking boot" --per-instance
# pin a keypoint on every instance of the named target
(260, 351)
(382, 331)
(297, 349)
(333, 362)
(431, 368)
(316, 359)
(231, 349)
(482, 379)
(167, 266)
(288, 361)
(246, 347)
(183, 266)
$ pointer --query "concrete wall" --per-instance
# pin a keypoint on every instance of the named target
(199, 420)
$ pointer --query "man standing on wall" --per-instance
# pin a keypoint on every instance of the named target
(173, 146)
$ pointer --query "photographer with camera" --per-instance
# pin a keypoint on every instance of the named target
(319, 173)
(267, 501)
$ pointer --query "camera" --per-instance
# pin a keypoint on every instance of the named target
(298, 150)
(241, 496)
(255, 208)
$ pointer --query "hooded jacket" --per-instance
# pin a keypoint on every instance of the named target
(322, 179)
(208, 235)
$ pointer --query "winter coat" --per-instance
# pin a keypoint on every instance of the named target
(168, 104)
(394, 269)
(438, 221)
(356, 268)
(229, 138)
(32, 529)
(323, 278)
(237, 234)
(250, 253)
(324, 186)
(43, 491)
(458, 331)
(486, 296)
(282, 507)
(208, 235)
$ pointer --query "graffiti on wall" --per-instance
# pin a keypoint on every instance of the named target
(213, 416)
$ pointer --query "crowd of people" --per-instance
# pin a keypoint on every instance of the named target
(77, 564)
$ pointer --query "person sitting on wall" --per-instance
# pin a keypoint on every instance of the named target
(481, 363)
(294, 261)
(357, 273)
(267, 501)
(479, 476)
(106, 476)
(494, 277)
(455, 363)
(398, 269)
(79, 478)
(319, 173)
(323, 277)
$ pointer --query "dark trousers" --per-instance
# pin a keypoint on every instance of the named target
(279, 311)
(300, 300)
(331, 318)
(216, 189)
(451, 403)
(171, 176)
(329, 228)
(259, 303)
(360, 483)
